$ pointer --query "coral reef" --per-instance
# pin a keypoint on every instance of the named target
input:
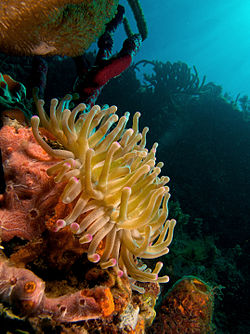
(38, 244)
(65, 294)
(207, 147)
(62, 27)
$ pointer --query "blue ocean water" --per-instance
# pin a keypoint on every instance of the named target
(212, 35)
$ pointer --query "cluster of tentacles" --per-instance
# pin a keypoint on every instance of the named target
(113, 184)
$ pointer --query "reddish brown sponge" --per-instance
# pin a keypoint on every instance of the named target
(21, 288)
(187, 308)
(30, 193)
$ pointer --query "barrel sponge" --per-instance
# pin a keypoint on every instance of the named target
(52, 27)
(112, 185)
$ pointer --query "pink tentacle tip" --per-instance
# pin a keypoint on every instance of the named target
(67, 164)
(60, 223)
(75, 179)
(94, 257)
(120, 273)
(74, 227)
(113, 262)
(86, 238)
(127, 188)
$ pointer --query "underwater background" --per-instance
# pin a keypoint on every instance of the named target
(190, 81)
(212, 35)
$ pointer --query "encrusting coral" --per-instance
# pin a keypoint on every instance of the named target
(113, 184)
(187, 308)
(57, 27)
(24, 290)
(49, 27)
(30, 193)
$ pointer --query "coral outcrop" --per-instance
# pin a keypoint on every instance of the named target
(187, 308)
(44, 273)
(22, 289)
(49, 27)
(76, 295)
